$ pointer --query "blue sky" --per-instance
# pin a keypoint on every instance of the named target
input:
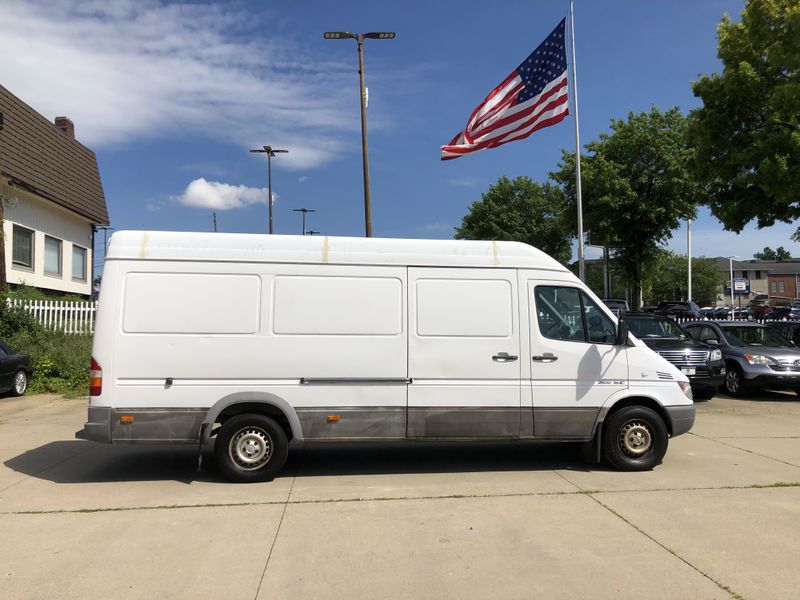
(172, 96)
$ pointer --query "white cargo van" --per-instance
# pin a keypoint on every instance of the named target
(248, 342)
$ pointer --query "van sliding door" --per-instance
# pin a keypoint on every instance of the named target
(464, 353)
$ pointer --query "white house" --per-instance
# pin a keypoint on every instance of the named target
(52, 201)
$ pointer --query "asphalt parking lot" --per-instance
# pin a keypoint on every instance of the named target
(720, 518)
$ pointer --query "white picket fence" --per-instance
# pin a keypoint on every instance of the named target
(75, 318)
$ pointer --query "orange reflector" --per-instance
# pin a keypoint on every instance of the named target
(333, 418)
(126, 419)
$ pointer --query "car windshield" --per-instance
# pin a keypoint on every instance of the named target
(754, 336)
(649, 327)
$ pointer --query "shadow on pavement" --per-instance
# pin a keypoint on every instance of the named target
(87, 462)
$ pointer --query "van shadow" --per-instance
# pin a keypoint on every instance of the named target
(86, 462)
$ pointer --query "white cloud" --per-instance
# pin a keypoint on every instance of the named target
(220, 196)
(302, 179)
(139, 69)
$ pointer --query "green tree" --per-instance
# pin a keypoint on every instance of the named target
(523, 211)
(637, 186)
(769, 254)
(668, 279)
(747, 134)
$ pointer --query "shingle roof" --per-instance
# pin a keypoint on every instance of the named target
(35, 154)
(768, 266)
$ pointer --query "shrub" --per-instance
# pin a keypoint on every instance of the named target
(60, 362)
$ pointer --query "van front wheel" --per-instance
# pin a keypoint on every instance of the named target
(250, 448)
(634, 439)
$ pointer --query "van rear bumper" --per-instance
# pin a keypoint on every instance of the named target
(98, 426)
(681, 417)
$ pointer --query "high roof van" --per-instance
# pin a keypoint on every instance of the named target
(249, 342)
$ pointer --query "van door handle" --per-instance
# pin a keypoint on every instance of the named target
(547, 357)
(504, 357)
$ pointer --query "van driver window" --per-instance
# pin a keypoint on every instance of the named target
(566, 313)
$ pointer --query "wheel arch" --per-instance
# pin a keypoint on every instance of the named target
(645, 401)
(255, 402)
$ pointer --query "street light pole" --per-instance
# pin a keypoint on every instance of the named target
(730, 259)
(359, 37)
(270, 152)
(305, 211)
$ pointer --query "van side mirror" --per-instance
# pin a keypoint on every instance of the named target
(622, 333)
(711, 342)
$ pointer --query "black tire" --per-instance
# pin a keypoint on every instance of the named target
(250, 448)
(734, 381)
(19, 384)
(635, 438)
(706, 393)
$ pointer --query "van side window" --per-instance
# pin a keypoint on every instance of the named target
(566, 313)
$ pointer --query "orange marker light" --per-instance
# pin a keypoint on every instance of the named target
(334, 418)
(126, 419)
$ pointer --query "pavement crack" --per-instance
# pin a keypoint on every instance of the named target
(275, 539)
(578, 492)
(733, 594)
(730, 445)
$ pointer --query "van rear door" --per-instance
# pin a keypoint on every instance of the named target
(464, 353)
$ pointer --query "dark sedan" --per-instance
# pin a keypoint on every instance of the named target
(15, 370)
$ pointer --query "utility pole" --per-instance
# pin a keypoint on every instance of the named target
(214, 218)
(270, 152)
(305, 211)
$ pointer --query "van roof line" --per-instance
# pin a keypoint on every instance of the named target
(243, 247)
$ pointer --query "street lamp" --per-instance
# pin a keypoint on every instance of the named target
(305, 211)
(730, 259)
(360, 37)
(270, 152)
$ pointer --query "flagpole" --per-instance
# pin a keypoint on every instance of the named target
(581, 265)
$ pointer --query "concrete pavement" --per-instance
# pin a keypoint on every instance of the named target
(720, 518)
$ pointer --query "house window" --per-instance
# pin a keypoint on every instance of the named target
(773, 287)
(758, 274)
(781, 287)
(78, 263)
(744, 274)
(52, 256)
(22, 253)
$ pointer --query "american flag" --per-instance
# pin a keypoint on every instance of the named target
(532, 97)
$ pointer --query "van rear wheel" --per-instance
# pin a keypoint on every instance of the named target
(250, 448)
(635, 438)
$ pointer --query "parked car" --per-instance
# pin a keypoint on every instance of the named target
(679, 309)
(788, 313)
(756, 356)
(15, 370)
(788, 329)
(700, 362)
(617, 305)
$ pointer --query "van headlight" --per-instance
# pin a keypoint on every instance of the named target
(716, 354)
(686, 388)
(760, 359)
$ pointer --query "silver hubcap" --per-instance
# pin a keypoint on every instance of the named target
(635, 438)
(20, 382)
(250, 448)
(732, 381)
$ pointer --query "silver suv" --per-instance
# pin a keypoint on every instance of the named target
(755, 356)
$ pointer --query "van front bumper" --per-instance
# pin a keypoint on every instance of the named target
(98, 426)
(681, 417)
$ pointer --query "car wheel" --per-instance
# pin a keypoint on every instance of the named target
(20, 383)
(250, 448)
(635, 438)
(705, 393)
(734, 381)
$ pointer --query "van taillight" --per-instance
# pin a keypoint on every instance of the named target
(95, 379)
